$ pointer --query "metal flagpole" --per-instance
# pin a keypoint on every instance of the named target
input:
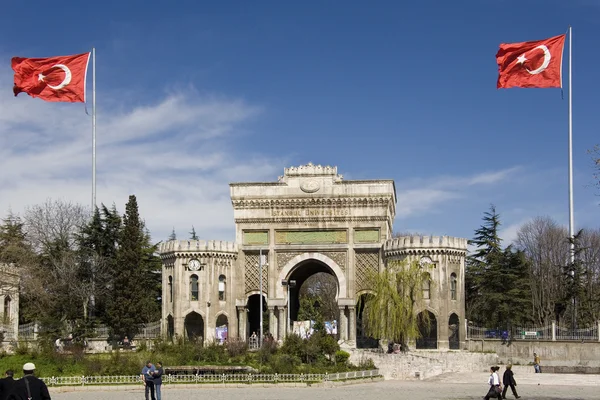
(93, 130)
(261, 296)
(571, 218)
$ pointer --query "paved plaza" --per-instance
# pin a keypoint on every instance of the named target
(469, 386)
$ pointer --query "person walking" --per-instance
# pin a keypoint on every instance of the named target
(148, 379)
(495, 390)
(6, 384)
(536, 363)
(29, 386)
(508, 379)
(158, 378)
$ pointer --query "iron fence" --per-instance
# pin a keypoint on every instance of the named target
(212, 378)
(549, 332)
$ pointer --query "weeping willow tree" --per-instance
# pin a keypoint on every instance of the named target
(390, 312)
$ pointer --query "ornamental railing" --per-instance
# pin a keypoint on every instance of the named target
(212, 378)
(552, 332)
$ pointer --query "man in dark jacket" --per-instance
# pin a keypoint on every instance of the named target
(509, 380)
(158, 379)
(29, 386)
(6, 384)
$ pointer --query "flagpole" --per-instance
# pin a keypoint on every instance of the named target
(93, 130)
(571, 218)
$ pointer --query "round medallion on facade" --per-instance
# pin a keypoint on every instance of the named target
(425, 261)
(310, 186)
(194, 265)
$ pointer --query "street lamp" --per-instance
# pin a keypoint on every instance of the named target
(290, 284)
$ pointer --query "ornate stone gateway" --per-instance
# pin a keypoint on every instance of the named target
(311, 220)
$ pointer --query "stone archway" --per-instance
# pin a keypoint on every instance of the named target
(194, 327)
(222, 327)
(428, 330)
(295, 273)
(170, 327)
(293, 264)
(454, 332)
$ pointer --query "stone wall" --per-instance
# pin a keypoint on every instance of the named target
(424, 364)
(556, 353)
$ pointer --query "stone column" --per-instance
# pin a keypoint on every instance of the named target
(282, 323)
(343, 324)
(352, 324)
(242, 323)
(272, 322)
(554, 331)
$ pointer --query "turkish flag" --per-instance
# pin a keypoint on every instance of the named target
(536, 64)
(59, 78)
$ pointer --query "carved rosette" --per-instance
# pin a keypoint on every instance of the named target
(339, 257)
(284, 258)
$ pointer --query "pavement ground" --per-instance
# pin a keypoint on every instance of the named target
(464, 386)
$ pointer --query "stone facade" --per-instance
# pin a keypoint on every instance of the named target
(9, 301)
(311, 220)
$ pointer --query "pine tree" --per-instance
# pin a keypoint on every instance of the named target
(14, 248)
(129, 295)
(193, 235)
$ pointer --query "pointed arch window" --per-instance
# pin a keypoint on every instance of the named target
(427, 286)
(453, 286)
(194, 287)
(7, 315)
(222, 284)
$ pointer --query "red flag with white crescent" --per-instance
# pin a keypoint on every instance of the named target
(535, 64)
(60, 78)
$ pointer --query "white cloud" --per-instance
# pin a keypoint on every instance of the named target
(417, 197)
(177, 155)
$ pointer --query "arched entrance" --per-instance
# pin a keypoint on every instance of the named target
(454, 332)
(428, 330)
(170, 327)
(222, 328)
(253, 306)
(194, 327)
(313, 293)
(363, 341)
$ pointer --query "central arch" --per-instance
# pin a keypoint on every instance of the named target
(296, 262)
(299, 269)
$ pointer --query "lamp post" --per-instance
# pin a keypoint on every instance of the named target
(290, 284)
(260, 337)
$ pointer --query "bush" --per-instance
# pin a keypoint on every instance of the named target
(284, 363)
(293, 345)
(213, 353)
(341, 357)
(236, 348)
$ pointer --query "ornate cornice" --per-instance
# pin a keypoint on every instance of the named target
(308, 219)
(311, 202)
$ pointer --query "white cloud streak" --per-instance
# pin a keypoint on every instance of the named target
(177, 155)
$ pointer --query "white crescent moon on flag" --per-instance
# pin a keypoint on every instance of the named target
(547, 58)
(65, 81)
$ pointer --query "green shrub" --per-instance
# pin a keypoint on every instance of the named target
(284, 363)
(341, 357)
(293, 345)
(236, 347)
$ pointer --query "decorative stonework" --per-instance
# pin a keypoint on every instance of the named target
(366, 235)
(310, 170)
(310, 186)
(251, 281)
(256, 238)
(365, 263)
(339, 257)
(284, 257)
(311, 237)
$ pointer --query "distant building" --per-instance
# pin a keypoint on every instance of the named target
(310, 220)
(9, 299)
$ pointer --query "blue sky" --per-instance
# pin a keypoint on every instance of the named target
(193, 95)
